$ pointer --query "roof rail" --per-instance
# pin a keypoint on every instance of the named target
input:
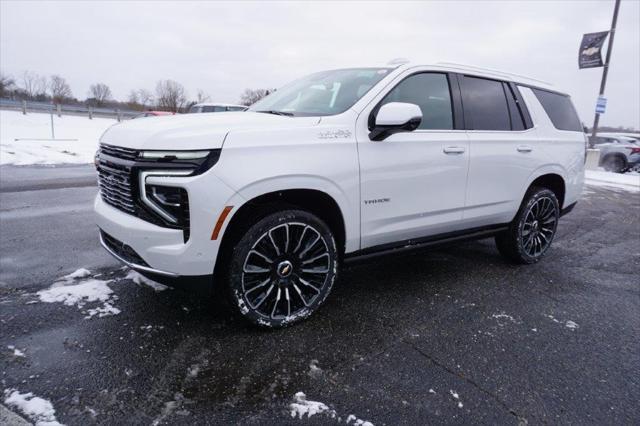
(471, 67)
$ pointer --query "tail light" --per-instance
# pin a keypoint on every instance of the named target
(635, 151)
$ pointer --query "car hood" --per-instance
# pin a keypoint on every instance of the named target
(195, 131)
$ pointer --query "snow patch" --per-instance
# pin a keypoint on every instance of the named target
(502, 318)
(356, 421)
(626, 182)
(572, 325)
(73, 290)
(314, 370)
(302, 406)
(455, 396)
(142, 280)
(84, 132)
(39, 410)
(16, 352)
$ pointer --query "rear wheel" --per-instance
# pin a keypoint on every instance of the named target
(531, 232)
(614, 163)
(282, 269)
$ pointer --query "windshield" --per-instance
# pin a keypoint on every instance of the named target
(323, 93)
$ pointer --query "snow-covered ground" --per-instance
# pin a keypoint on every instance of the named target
(41, 149)
(627, 181)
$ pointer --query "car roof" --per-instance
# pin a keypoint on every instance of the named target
(401, 64)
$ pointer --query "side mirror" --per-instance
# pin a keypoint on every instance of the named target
(395, 117)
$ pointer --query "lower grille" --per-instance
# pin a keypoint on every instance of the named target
(116, 188)
(122, 250)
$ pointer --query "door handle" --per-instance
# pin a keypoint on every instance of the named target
(453, 150)
(525, 148)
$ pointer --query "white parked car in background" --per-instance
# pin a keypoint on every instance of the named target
(338, 165)
(210, 107)
(618, 153)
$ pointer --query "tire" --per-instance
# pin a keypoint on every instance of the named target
(282, 269)
(531, 232)
(614, 163)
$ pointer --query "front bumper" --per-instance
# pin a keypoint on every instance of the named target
(162, 251)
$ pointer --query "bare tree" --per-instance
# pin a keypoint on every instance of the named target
(34, 85)
(7, 84)
(100, 92)
(251, 96)
(202, 96)
(133, 98)
(170, 95)
(59, 89)
(145, 97)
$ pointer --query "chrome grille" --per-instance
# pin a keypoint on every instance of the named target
(119, 152)
(116, 188)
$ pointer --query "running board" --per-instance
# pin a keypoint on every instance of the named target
(425, 242)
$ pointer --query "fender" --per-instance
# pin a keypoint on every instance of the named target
(350, 212)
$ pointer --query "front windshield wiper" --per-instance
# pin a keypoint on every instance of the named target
(274, 112)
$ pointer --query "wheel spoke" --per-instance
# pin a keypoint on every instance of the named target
(286, 295)
(263, 298)
(254, 269)
(275, 304)
(260, 285)
(300, 294)
(304, 231)
(256, 252)
(301, 255)
(286, 244)
(306, 262)
(274, 243)
(308, 284)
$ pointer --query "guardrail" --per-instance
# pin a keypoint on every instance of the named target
(60, 109)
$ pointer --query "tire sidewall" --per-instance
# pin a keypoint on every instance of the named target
(241, 250)
(519, 224)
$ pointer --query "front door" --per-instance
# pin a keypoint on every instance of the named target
(413, 183)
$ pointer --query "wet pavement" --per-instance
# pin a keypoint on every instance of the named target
(452, 335)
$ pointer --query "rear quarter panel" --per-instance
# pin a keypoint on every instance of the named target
(559, 151)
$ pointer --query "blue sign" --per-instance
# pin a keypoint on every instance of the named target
(601, 105)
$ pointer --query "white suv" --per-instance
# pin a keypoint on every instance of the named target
(337, 165)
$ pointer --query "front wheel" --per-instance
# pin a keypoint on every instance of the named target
(282, 269)
(532, 230)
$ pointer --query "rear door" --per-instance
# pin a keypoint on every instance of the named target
(503, 150)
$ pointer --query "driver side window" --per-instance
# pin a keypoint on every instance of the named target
(430, 91)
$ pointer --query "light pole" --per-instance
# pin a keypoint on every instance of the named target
(605, 69)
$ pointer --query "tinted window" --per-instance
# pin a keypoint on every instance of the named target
(236, 108)
(486, 103)
(430, 91)
(560, 110)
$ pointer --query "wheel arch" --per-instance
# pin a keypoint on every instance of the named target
(552, 181)
(313, 200)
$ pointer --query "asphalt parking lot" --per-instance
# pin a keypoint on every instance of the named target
(453, 335)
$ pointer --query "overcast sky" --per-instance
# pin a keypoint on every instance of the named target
(222, 47)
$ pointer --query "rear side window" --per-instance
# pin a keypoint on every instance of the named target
(560, 110)
(486, 103)
(430, 91)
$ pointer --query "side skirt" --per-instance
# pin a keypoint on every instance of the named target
(421, 243)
